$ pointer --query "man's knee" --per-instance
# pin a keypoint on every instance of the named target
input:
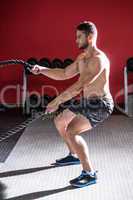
(60, 127)
(70, 133)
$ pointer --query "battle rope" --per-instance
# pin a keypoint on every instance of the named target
(38, 115)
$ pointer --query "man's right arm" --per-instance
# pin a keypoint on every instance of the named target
(57, 73)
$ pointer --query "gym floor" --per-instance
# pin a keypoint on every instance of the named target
(26, 171)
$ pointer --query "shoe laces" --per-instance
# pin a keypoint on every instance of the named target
(82, 174)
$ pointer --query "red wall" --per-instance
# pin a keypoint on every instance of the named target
(38, 28)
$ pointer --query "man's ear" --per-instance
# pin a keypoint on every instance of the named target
(90, 37)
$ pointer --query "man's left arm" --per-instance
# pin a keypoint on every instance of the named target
(95, 67)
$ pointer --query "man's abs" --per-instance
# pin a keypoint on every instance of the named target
(99, 88)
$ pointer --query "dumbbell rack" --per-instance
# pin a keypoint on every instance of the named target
(25, 102)
(126, 89)
(127, 69)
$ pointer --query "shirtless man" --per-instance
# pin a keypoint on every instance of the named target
(95, 104)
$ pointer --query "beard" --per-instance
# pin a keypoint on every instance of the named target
(84, 46)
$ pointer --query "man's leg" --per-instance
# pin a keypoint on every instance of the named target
(78, 125)
(61, 123)
(68, 120)
(88, 176)
(69, 127)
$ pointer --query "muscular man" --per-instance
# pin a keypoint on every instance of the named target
(94, 106)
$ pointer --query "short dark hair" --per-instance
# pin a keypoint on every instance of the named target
(87, 27)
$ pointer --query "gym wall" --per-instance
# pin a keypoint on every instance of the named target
(38, 28)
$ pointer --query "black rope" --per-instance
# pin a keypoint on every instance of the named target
(17, 61)
(38, 115)
(23, 125)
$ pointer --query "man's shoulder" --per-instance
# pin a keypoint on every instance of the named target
(99, 61)
(101, 55)
(81, 56)
(101, 58)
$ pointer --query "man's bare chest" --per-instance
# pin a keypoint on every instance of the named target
(83, 66)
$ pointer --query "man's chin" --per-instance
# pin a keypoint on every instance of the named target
(83, 47)
(80, 47)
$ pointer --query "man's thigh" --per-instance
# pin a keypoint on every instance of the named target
(64, 118)
(78, 125)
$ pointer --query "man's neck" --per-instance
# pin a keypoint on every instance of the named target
(89, 51)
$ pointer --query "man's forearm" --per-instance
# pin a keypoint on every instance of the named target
(56, 73)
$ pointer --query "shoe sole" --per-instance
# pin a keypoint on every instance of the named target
(87, 184)
(70, 163)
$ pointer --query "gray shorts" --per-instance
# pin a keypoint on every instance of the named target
(95, 109)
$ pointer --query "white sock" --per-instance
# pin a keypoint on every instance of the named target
(92, 172)
(73, 154)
